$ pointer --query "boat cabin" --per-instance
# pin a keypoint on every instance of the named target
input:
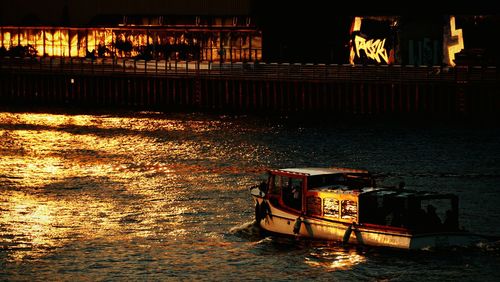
(351, 196)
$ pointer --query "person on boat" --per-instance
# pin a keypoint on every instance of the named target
(296, 192)
(263, 186)
(296, 201)
(397, 218)
(450, 221)
(419, 220)
(433, 220)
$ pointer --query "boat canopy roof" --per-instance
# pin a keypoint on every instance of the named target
(405, 193)
(362, 189)
(313, 171)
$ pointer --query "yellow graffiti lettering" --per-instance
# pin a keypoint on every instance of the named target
(374, 49)
(356, 26)
(455, 48)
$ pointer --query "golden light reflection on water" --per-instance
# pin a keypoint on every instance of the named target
(35, 225)
(81, 177)
(48, 152)
(335, 259)
(55, 161)
(107, 122)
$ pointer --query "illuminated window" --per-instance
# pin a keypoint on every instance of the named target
(331, 207)
(349, 210)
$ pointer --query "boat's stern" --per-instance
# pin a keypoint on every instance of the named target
(445, 240)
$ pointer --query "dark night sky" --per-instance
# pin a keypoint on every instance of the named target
(81, 10)
(385, 7)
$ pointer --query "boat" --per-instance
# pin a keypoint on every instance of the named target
(345, 205)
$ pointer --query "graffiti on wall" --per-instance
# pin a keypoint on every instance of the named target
(368, 50)
(374, 49)
(455, 36)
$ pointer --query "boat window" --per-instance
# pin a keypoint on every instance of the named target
(349, 210)
(440, 206)
(438, 214)
(331, 207)
(292, 192)
(313, 205)
(275, 184)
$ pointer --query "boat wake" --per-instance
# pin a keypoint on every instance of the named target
(248, 230)
(493, 245)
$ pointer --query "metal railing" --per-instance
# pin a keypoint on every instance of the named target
(252, 70)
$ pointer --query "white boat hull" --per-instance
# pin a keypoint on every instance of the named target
(282, 222)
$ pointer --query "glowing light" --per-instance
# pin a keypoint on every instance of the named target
(72, 178)
(102, 42)
(333, 260)
(373, 49)
(6, 41)
(356, 26)
(457, 47)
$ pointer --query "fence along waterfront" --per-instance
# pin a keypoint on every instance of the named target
(255, 86)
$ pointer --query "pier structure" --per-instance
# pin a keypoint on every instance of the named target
(250, 56)
(272, 89)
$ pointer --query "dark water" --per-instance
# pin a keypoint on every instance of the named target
(150, 196)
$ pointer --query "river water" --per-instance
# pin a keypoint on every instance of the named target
(153, 196)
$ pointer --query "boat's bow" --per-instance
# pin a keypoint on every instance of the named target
(256, 192)
(258, 197)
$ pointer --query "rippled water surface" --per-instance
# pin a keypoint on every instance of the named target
(152, 196)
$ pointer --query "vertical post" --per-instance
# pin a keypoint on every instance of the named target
(78, 43)
(61, 45)
(230, 47)
(27, 44)
(69, 43)
(145, 57)
(43, 39)
(86, 41)
(241, 47)
(221, 51)
(53, 53)
(250, 47)
(113, 46)
(211, 46)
